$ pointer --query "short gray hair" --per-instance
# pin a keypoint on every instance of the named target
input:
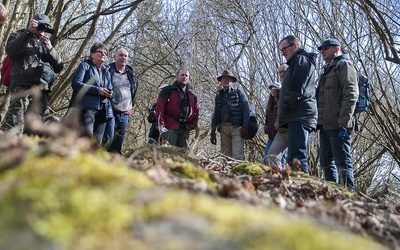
(118, 48)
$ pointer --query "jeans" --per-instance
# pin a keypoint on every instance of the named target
(115, 132)
(335, 157)
(94, 122)
(108, 132)
(297, 144)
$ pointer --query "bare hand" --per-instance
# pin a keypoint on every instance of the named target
(32, 25)
(46, 42)
(105, 92)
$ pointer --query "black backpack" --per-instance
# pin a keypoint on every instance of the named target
(253, 127)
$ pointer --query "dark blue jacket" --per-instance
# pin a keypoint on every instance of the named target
(86, 79)
(297, 102)
(131, 77)
(238, 106)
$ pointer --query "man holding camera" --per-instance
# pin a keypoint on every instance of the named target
(35, 61)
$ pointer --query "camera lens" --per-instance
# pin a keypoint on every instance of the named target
(41, 27)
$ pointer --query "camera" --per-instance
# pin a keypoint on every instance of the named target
(45, 28)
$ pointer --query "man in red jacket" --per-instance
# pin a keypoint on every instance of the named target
(177, 110)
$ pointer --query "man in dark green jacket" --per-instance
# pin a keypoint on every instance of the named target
(337, 96)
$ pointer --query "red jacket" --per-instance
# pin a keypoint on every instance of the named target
(167, 109)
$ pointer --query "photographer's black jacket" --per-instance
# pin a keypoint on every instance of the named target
(25, 50)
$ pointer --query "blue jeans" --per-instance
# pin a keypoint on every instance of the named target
(297, 145)
(109, 131)
(115, 132)
(335, 157)
(94, 122)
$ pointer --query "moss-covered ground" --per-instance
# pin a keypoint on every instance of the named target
(93, 201)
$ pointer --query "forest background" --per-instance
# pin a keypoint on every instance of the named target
(209, 36)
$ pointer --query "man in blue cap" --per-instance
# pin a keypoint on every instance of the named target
(35, 61)
(337, 96)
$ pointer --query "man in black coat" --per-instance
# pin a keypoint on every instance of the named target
(297, 109)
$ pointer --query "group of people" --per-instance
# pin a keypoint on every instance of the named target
(176, 113)
(105, 95)
(297, 106)
(304, 105)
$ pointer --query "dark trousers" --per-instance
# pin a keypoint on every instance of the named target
(94, 122)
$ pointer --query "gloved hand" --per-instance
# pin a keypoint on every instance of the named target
(244, 131)
(213, 138)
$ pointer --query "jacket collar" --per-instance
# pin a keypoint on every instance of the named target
(311, 56)
(113, 67)
(103, 67)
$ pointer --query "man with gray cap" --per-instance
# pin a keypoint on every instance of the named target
(337, 96)
(35, 61)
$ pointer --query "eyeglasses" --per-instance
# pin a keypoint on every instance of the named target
(101, 52)
(284, 48)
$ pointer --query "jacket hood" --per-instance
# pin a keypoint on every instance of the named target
(311, 56)
(343, 56)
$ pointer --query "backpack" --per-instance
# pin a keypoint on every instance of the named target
(5, 72)
(364, 88)
(253, 126)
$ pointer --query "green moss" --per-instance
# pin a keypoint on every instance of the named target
(250, 168)
(188, 170)
(92, 202)
(71, 199)
(248, 227)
